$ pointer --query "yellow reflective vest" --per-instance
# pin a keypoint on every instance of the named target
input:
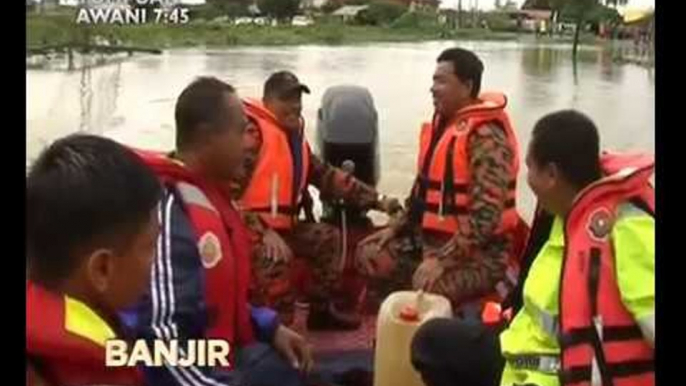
(533, 331)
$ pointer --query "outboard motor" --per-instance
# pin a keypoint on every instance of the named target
(348, 138)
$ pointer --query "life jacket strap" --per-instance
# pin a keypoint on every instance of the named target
(599, 370)
(581, 374)
(610, 334)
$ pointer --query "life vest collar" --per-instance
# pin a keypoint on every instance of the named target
(640, 169)
(68, 316)
(67, 338)
(613, 162)
(257, 110)
(486, 101)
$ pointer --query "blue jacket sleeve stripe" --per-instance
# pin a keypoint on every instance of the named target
(163, 301)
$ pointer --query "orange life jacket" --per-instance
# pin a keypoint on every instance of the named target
(444, 177)
(600, 340)
(270, 191)
(612, 163)
(441, 190)
(60, 347)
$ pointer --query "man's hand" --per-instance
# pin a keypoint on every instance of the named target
(293, 346)
(371, 246)
(275, 247)
(427, 273)
(389, 205)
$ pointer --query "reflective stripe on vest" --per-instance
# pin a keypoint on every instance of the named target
(647, 325)
(81, 320)
(548, 322)
(544, 363)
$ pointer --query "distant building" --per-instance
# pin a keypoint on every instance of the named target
(534, 20)
(639, 24)
(313, 3)
(348, 13)
(448, 16)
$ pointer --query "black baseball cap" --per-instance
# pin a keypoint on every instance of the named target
(284, 84)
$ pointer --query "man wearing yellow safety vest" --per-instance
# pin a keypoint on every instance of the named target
(585, 312)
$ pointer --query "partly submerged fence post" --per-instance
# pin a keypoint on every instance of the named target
(70, 56)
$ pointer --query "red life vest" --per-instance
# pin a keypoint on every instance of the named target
(600, 340)
(611, 163)
(61, 351)
(223, 244)
(270, 191)
(444, 177)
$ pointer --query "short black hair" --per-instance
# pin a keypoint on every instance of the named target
(202, 101)
(570, 140)
(467, 66)
(84, 190)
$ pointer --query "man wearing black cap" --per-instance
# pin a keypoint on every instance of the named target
(279, 166)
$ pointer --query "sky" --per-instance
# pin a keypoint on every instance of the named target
(489, 4)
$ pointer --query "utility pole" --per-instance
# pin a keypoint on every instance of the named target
(475, 5)
(459, 14)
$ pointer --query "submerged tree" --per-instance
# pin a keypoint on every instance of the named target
(279, 9)
(581, 11)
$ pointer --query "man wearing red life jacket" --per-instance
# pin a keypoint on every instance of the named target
(585, 314)
(201, 272)
(458, 239)
(91, 228)
(279, 166)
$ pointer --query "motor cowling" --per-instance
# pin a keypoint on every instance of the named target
(348, 138)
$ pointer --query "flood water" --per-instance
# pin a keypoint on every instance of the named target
(133, 101)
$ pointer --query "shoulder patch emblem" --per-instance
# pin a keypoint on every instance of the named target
(210, 250)
(600, 224)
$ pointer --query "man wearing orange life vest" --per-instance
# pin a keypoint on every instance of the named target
(458, 238)
(279, 165)
(585, 314)
(91, 233)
